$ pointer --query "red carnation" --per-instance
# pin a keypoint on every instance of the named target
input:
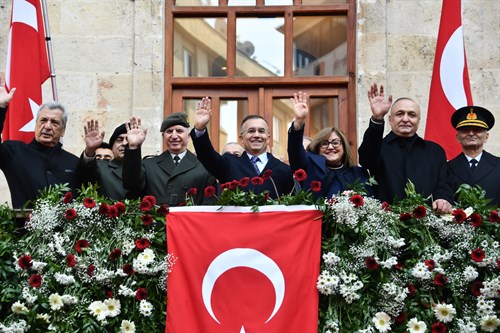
(357, 200)
(89, 202)
(245, 181)
(141, 294)
(476, 287)
(266, 196)
(257, 181)
(493, 217)
(371, 263)
(112, 212)
(115, 254)
(386, 206)
(142, 243)
(234, 185)
(145, 205)
(128, 269)
(315, 186)
(25, 262)
(103, 209)
(68, 198)
(81, 244)
(120, 206)
(36, 280)
(108, 292)
(403, 217)
(476, 219)
(70, 260)
(224, 186)
(191, 192)
(411, 289)
(399, 266)
(163, 210)
(300, 175)
(151, 199)
(70, 214)
(147, 219)
(90, 270)
(267, 174)
(400, 318)
(459, 215)
(478, 254)
(209, 191)
(419, 212)
(440, 280)
(438, 328)
(430, 264)
(498, 263)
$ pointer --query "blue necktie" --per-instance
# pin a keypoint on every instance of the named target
(254, 160)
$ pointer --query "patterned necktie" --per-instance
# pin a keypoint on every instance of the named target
(473, 164)
(254, 160)
(176, 160)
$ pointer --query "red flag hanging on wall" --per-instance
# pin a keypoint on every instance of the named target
(241, 271)
(450, 86)
(27, 69)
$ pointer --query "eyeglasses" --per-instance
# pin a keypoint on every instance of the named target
(335, 143)
(253, 130)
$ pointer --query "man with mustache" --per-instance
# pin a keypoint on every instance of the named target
(31, 167)
(107, 173)
(402, 155)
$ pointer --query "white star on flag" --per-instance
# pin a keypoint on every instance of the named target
(30, 126)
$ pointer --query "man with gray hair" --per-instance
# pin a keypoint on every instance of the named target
(30, 167)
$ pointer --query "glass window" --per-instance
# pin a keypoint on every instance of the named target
(256, 55)
(320, 45)
(323, 113)
(241, 3)
(322, 2)
(207, 50)
(232, 113)
(196, 2)
(279, 2)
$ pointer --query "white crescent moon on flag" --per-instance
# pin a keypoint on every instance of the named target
(22, 12)
(452, 70)
(243, 257)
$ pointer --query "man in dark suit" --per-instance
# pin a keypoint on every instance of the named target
(173, 173)
(107, 173)
(475, 166)
(402, 155)
(254, 135)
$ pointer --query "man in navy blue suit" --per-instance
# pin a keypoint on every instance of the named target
(475, 166)
(254, 135)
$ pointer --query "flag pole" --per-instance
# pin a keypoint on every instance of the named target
(48, 40)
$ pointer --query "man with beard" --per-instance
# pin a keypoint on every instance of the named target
(31, 167)
(475, 166)
(255, 136)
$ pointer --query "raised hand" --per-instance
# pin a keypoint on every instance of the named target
(378, 104)
(5, 97)
(203, 113)
(300, 109)
(136, 134)
(93, 137)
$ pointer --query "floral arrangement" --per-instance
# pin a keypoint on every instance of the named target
(89, 265)
(405, 269)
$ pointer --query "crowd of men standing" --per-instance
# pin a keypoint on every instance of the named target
(122, 173)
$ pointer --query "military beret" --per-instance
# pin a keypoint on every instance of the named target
(472, 116)
(122, 129)
(177, 118)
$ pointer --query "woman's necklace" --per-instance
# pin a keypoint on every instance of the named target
(335, 167)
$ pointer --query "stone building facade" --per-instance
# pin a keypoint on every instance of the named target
(109, 56)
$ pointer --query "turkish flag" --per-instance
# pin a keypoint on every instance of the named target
(27, 69)
(239, 271)
(450, 86)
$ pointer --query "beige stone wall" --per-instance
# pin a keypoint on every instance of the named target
(109, 59)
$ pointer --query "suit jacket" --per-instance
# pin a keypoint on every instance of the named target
(32, 167)
(108, 174)
(158, 176)
(393, 161)
(229, 167)
(486, 175)
(332, 181)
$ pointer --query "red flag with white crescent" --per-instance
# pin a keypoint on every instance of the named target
(239, 271)
(450, 86)
(27, 68)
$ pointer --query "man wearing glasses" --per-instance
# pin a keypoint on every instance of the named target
(254, 135)
(402, 155)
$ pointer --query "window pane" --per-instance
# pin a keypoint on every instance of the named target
(278, 2)
(196, 2)
(323, 113)
(282, 119)
(189, 107)
(241, 3)
(199, 54)
(322, 2)
(320, 45)
(232, 113)
(256, 55)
